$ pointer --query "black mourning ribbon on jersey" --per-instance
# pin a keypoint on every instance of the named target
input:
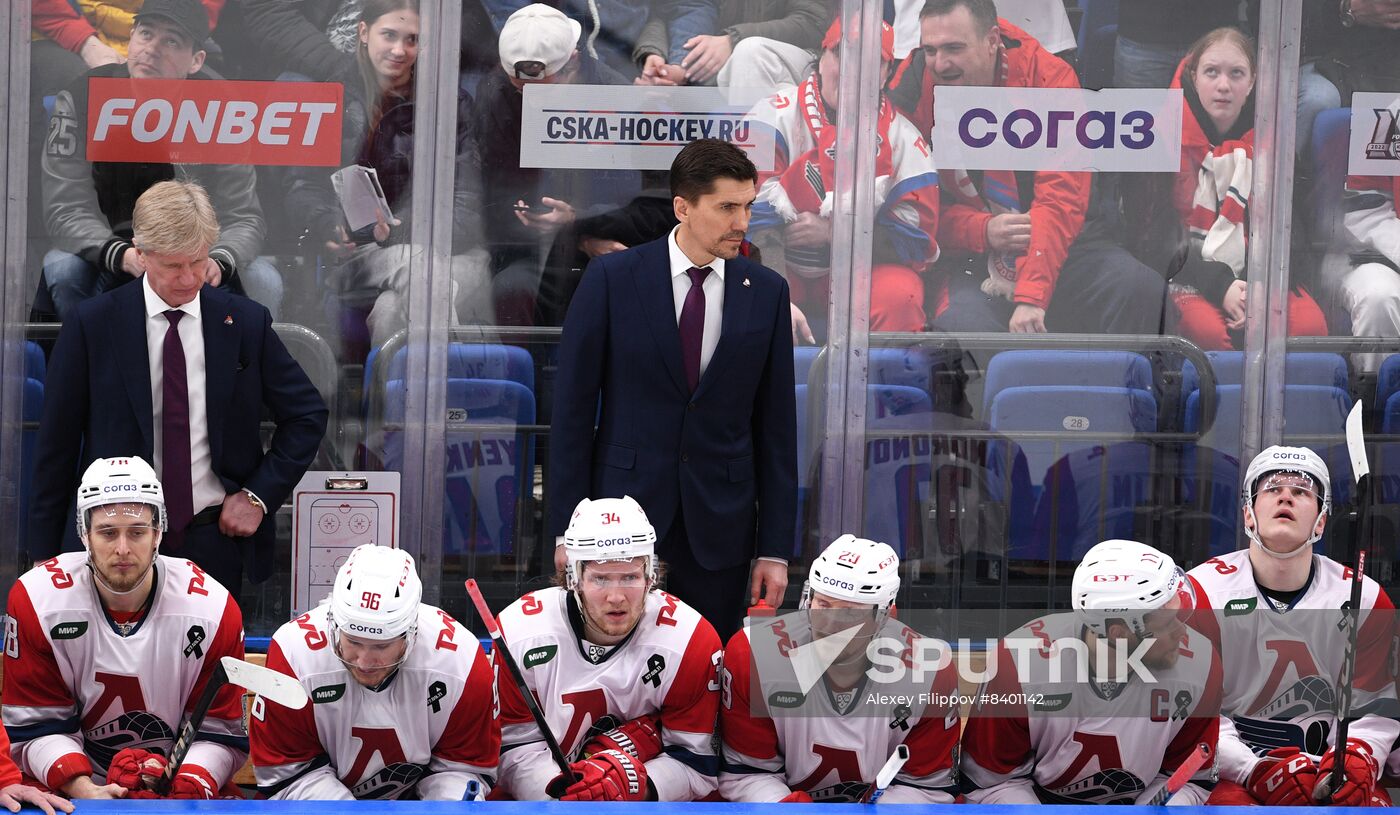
(901, 717)
(655, 665)
(436, 693)
(195, 636)
(1183, 705)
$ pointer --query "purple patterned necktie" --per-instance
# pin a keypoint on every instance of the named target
(692, 324)
(175, 475)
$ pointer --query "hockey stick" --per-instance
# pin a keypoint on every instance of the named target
(498, 642)
(1351, 615)
(265, 682)
(1182, 776)
(886, 775)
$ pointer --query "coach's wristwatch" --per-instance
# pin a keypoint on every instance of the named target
(1348, 19)
(255, 500)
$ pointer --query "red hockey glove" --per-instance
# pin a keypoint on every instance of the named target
(1284, 778)
(193, 782)
(798, 797)
(135, 769)
(639, 738)
(1359, 770)
(611, 775)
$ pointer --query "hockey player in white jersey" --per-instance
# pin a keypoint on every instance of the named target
(403, 700)
(624, 672)
(1276, 608)
(1057, 727)
(829, 746)
(107, 649)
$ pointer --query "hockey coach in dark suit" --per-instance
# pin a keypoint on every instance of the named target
(682, 349)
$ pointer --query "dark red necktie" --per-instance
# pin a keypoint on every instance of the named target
(175, 476)
(692, 324)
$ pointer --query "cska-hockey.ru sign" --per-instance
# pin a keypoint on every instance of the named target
(186, 121)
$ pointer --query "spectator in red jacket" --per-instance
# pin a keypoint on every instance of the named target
(1018, 251)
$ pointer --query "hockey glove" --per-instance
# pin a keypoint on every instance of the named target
(135, 769)
(639, 738)
(611, 775)
(195, 783)
(1359, 770)
(798, 797)
(1285, 777)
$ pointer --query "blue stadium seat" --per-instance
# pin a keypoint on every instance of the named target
(1097, 493)
(489, 462)
(1299, 368)
(1331, 145)
(35, 366)
(1387, 385)
(1309, 410)
(970, 495)
(1108, 369)
(1085, 410)
(802, 358)
(1098, 34)
(466, 361)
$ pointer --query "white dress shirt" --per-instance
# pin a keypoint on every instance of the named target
(713, 287)
(207, 490)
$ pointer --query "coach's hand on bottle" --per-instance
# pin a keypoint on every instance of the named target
(769, 581)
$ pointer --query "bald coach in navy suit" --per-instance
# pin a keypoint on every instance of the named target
(682, 349)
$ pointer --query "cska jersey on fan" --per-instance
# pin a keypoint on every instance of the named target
(77, 690)
(1284, 661)
(426, 734)
(831, 744)
(1037, 736)
(666, 667)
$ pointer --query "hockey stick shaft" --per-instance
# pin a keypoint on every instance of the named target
(266, 682)
(1183, 774)
(498, 642)
(1351, 615)
(886, 774)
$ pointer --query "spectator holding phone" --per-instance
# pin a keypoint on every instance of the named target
(373, 263)
(529, 208)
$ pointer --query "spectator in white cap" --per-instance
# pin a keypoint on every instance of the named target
(528, 208)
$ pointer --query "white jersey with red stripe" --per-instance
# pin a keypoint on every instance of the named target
(427, 734)
(1042, 735)
(831, 743)
(667, 667)
(77, 690)
(1282, 662)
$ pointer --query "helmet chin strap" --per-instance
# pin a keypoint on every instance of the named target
(108, 586)
(1305, 546)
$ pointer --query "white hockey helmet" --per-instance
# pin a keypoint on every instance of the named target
(604, 529)
(1279, 459)
(124, 480)
(1125, 580)
(854, 569)
(376, 596)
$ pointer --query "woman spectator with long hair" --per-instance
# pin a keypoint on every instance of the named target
(1201, 243)
(379, 133)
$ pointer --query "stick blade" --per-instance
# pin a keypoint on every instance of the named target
(1356, 443)
(265, 682)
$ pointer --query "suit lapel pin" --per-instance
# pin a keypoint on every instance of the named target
(746, 282)
(228, 319)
